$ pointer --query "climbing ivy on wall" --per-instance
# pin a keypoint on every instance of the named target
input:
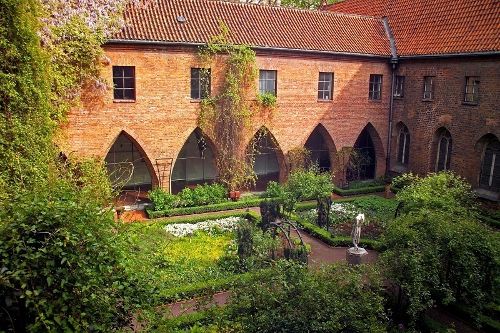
(227, 116)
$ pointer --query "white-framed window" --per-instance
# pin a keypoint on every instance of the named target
(325, 86)
(375, 87)
(471, 89)
(428, 87)
(267, 81)
(200, 83)
(399, 86)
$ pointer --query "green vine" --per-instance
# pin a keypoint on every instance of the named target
(226, 116)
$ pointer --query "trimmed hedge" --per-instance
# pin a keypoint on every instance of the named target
(361, 190)
(230, 205)
(329, 239)
(210, 286)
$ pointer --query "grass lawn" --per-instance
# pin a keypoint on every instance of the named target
(161, 261)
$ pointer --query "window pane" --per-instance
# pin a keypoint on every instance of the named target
(195, 73)
(128, 94)
(117, 71)
(118, 94)
(128, 71)
(128, 83)
(118, 82)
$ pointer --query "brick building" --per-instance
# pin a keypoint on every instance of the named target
(331, 73)
(446, 112)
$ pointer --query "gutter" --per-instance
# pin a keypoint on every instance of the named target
(394, 63)
(451, 55)
(260, 48)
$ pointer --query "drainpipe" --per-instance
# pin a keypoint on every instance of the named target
(394, 63)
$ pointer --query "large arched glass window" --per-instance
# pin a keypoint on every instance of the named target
(403, 145)
(490, 167)
(444, 146)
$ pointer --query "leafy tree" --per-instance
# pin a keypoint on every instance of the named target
(437, 251)
(58, 257)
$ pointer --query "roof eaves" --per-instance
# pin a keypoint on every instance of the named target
(264, 48)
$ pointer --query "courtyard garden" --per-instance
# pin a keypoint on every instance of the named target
(434, 253)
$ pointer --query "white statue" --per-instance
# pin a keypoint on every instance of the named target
(356, 229)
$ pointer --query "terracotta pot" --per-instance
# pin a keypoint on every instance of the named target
(234, 195)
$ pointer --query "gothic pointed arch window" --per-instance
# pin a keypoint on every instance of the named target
(403, 145)
(489, 178)
(195, 164)
(128, 166)
(443, 151)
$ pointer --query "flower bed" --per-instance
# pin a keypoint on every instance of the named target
(219, 225)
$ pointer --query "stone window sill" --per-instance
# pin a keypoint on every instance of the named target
(195, 101)
(325, 100)
(124, 101)
(428, 100)
(470, 103)
(375, 100)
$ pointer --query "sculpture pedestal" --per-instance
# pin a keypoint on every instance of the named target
(355, 256)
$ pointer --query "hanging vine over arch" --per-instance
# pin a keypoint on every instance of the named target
(227, 116)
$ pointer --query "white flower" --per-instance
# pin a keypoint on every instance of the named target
(185, 229)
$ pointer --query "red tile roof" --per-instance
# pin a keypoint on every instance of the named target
(255, 25)
(428, 27)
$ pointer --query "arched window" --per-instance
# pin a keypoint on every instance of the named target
(490, 167)
(195, 164)
(403, 145)
(264, 150)
(444, 146)
(127, 166)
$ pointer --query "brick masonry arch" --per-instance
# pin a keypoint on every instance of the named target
(137, 144)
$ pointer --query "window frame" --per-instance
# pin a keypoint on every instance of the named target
(429, 82)
(475, 90)
(204, 88)
(375, 88)
(325, 92)
(263, 81)
(403, 154)
(449, 147)
(124, 87)
(399, 86)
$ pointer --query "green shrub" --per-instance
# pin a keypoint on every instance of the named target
(377, 208)
(437, 251)
(267, 99)
(292, 299)
(229, 205)
(274, 190)
(199, 196)
(362, 190)
(60, 269)
(162, 200)
(443, 191)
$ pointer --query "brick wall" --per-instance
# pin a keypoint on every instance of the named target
(466, 123)
(163, 115)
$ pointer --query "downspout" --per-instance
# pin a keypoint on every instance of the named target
(393, 63)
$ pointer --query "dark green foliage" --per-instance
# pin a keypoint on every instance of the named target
(25, 125)
(376, 208)
(199, 196)
(293, 299)
(59, 260)
(437, 251)
(361, 190)
(244, 239)
(324, 211)
(205, 209)
(443, 191)
(270, 210)
(58, 256)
